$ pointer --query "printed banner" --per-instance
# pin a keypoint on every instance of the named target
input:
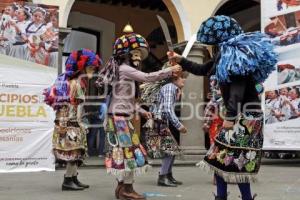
(26, 123)
(281, 22)
(30, 32)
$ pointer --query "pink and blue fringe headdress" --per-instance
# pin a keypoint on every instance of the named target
(241, 53)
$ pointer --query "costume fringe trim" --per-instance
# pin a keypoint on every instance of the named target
(229, 177)
(179, 155)
(247, 54)
(122, 172)
(173, 153)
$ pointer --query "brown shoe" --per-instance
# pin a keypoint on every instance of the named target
(127, 193)
(117, 191)
(141, 197)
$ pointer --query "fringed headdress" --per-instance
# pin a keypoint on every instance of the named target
(242, 54)
(76, 63)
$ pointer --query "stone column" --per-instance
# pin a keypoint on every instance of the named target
(63, 33)
(193, 95)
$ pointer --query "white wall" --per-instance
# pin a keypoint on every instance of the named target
(106, 29)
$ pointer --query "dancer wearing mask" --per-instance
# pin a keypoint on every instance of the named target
(65, 97)
(159, 138)
(126, 156)
(242, 61)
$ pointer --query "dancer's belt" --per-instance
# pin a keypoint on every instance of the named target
(53, 50)
(119, 114)
(19, 43)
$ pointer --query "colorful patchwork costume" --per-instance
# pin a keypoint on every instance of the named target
(126, 156)
(243, 61)
(65, 97)
(214, 111)
(162, 96)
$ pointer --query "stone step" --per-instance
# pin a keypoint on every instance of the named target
(193, 150)
(188, 160)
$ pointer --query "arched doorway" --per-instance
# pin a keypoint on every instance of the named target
(241, 10)
(140, 14)
(117, 13)
(96, 24)
(175, 8)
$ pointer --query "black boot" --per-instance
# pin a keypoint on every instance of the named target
(78, 183)
(164, 181)
(219, 198)
(68, 184)
(254, 196)
(173, 180)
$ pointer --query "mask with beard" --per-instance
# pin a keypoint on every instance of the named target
(136, 58)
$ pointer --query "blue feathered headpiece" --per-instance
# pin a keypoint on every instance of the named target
(241, 53)
(245, 54)
(218, 29)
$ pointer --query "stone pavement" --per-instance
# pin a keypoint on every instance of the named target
(278, 180)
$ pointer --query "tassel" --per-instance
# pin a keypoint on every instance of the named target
(229, 177)
(246, 54)
(137, 171)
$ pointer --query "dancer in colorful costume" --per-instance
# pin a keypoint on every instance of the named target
(213, 111)
(243, 61)
(65, 96)
(160, 141)
(126, 156)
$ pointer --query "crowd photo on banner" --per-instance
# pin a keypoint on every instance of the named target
(283, 104)
(280, 21)
(30, 32)
(282, 25)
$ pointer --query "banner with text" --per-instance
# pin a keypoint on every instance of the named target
(281, 22)
(26, 123)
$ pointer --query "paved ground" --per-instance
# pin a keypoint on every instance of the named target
(278, 181)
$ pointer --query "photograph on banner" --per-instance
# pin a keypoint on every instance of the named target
(284, 30)
(30, 32)
(273, 8)
(280, 20)
(282, 104)
(288, 71)
(287, 4)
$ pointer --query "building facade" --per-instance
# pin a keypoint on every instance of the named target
(99, 22)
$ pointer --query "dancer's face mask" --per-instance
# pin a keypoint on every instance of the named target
(90, 72)
(136, 57)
